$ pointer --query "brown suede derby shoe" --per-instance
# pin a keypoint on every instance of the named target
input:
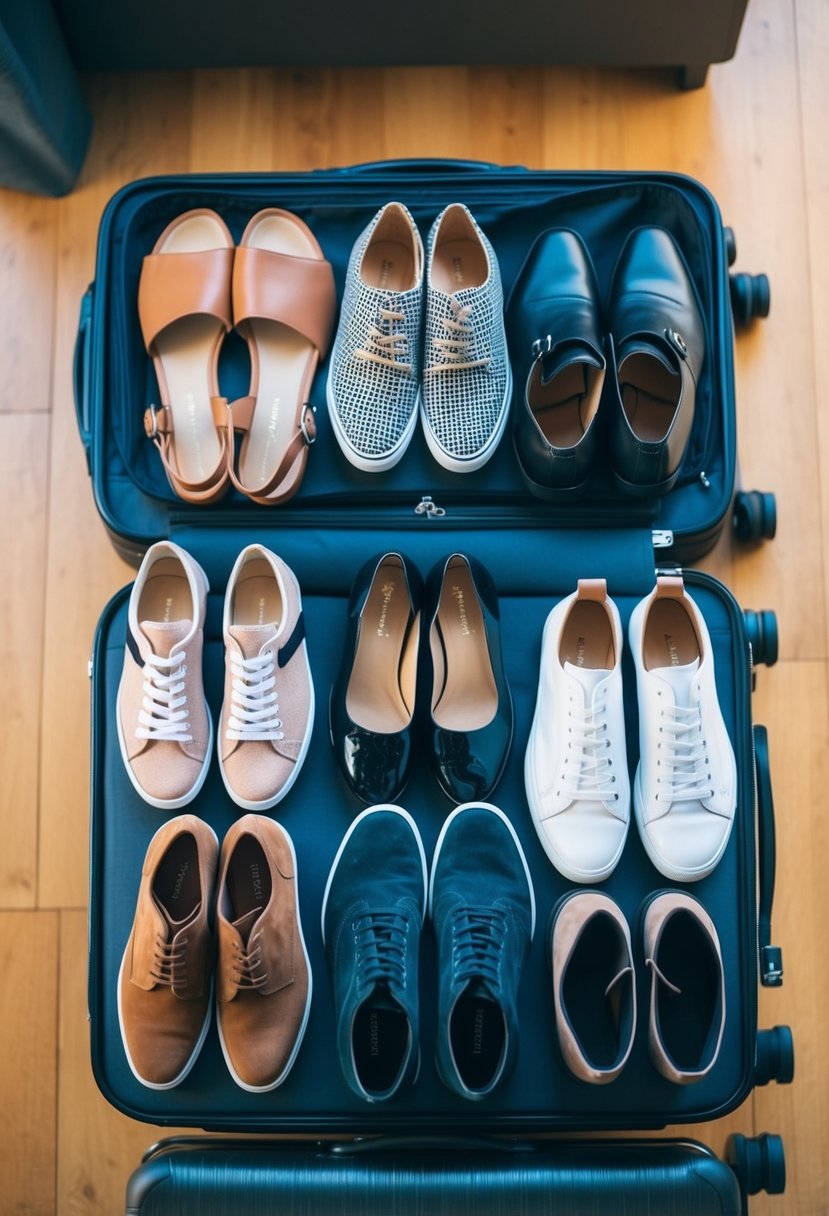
(264, 977)
(164, 986)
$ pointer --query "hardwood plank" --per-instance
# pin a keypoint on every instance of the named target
(28, 1049)
(758, 172)
(139, 129)
(28, 234)
(98, 1147)
(231, 121)
(427, 112)
(24, 454)
(325, 118)
(800, 770)
(813, 56)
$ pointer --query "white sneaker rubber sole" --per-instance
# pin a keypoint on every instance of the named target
(469, 464)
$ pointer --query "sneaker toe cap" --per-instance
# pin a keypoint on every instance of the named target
(584, 842)
(688, 843)
(256, 773)
(165, 773)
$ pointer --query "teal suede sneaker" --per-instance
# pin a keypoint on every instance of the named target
(482, 903)
(372, 913)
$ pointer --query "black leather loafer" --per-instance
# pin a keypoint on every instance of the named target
(373, 698)
(556, 345)
(469, 714)
(659, 349)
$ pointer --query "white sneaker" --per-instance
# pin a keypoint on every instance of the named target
(373, 386)
(467, 381)
(575, 768)
(685, 789)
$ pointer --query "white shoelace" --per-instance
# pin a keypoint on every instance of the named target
(458, 346)
(385, 345)
(587, 773)
(683, 759)
(163, 714)
(254, 703)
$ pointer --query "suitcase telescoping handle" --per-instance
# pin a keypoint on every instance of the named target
(432, 164)
(771, 957)
(80, 375)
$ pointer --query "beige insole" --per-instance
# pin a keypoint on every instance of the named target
(650, 394)
(282, 358)
(465, 694)
(165, 595)
(186, 351)
(458, 264)
(565, 406)
(670, 638)
(587, 637)
(389, 265)
(380, 693)
(248, 883)
(256, 599)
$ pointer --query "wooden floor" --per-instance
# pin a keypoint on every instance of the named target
(756, 136)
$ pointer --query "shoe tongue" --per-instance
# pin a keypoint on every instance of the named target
(650, 344)
(243, 924)
(253, 638)
(383, 999)
(164, 635)
(478, 990)
(589, 677)
(173, 926)
(565, 353)
(680, 679)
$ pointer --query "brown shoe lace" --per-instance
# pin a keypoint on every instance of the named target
(244, 965)
(170, 963)
(386, 348)
(458, 346)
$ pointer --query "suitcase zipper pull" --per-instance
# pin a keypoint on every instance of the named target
(429, 508)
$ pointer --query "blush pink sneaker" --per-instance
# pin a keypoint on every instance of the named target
(164, 726)
(268, 711)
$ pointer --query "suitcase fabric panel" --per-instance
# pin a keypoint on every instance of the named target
(512, 206)
(319, 809)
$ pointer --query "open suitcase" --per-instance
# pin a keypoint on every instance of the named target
(339, 519)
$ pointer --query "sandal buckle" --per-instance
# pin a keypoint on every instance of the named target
(151, 422)
(308, 424)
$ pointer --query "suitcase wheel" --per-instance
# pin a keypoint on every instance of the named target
(755, 515)
(759, 1163)
(775, 1056)
(761, 629)
(750, 296)
(730, 241)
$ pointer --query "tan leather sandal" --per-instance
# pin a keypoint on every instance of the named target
(184, 305)
(283, 304)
